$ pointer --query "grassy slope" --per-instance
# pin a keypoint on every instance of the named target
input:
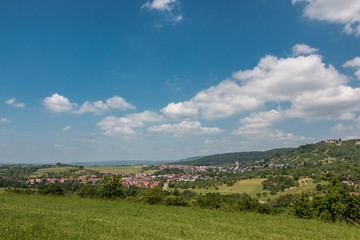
(254, 186)
(45, 217)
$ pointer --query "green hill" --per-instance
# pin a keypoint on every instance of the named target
(324, 159)
(322, 153)
(231, 158)
(50, 217)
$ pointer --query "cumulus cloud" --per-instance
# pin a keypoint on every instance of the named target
(183, 128)
(67, 128)
(115, 102)
(13, 102)
(300, 49)
(171, 9)
(346, 12)
(114, 126)
(257, 126)
(5, 120)
(57, 103)
(354, 63)
(262, 119)
(219, 101)
(312, 89)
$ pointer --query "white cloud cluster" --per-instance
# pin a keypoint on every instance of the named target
(346, 12)
(57, 103)
(354, 63)
(169, 7)
(300, 49)
(114, 126)
(184, 127)
(5, 120)
(312, 89)
(13, 102)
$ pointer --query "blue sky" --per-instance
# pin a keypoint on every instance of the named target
(170, 79)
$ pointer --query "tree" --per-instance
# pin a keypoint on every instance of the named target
(112, 187)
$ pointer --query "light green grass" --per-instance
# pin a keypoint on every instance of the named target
(46, 217)
(55, 170)
(254, 186)
(250, 186)
(136, 169)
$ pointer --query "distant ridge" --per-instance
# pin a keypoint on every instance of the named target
(231, 158)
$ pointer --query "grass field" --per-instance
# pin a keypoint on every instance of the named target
(119, 169)
(43, 171)
(254, 186)
(47, 217)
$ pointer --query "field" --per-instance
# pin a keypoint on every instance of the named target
(43, 171)
(254, 186)
(119, 169)
(47, 217)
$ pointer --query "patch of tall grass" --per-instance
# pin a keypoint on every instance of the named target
(51, 217)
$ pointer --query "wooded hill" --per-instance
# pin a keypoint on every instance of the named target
(322, 153)
(231, 158)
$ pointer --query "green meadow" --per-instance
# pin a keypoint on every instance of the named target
(254, 186)
(51, 217)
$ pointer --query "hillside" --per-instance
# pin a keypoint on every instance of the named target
(231, 158)
(322, 153)
(49, 217)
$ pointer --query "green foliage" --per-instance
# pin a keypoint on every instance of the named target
(278, 183)
(231, 158)
(335, 205)
(112, 187)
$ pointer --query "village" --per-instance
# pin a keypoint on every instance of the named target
(146, 180)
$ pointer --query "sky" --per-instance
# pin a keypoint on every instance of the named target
(169, 79)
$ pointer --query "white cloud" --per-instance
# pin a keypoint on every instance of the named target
(354, 63)
(67, 128)
(346, 12)
(347, 116)
(13, 102)
(114, 126)
(325, 103)
(5, 120)
(342, 128)
(58, 103)
(312, 89)
(262, 119)
(184, 127)
(219, 101)
(161, 5)
(171, 9)
(180, 109)
(300, 49)
(98, 107)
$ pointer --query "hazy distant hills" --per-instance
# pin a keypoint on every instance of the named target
(231, 158)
